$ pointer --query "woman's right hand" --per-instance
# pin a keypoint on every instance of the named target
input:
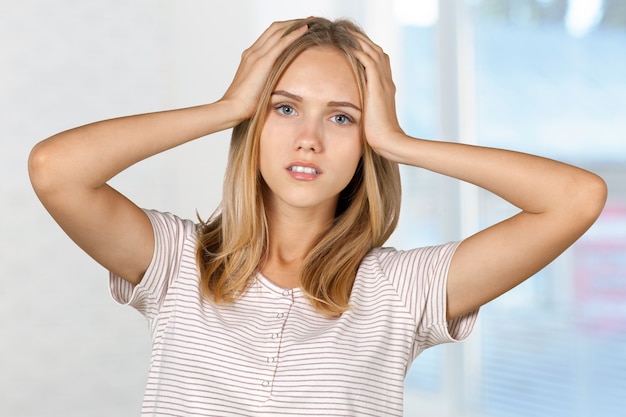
(256, 64)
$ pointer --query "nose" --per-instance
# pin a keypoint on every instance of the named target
(309, 137)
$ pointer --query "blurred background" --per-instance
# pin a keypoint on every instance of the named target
(540, 76)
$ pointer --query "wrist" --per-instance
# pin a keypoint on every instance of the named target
(392, 146)
(228, 113)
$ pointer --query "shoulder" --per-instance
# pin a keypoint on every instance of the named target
(390, 259)
(174, 251)
(166, 224)
(175, 240)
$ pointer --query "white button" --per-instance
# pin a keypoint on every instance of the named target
(287, 292)
(265, 383)
(271, 360)
(280, 315)
(275, 335)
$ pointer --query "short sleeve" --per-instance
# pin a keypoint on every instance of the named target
(171, 234)
(420, 278)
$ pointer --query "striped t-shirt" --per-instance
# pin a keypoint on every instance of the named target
(271, 353)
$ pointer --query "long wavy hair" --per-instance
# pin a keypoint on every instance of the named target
(233, 243)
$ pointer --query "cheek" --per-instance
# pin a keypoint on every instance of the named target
(352, 156)
(268, 141)
(356, 149)
(270, 156)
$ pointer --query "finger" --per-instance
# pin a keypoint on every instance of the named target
(364, 40)
(273, 33)
(372, 49)
(279, 40)
(377, 65)
(269, 46)
(278, 26)
(272, 45)
(376, 62)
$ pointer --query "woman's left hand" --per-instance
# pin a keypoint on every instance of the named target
(381, 126)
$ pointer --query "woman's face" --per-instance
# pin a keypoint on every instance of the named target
(311, 144)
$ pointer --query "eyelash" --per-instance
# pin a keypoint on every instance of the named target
(281, 107)
(348, 118)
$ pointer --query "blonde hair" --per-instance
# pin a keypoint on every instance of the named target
(233, 243)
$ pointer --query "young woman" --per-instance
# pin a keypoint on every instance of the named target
(284, 302)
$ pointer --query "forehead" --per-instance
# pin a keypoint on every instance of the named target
(320, 71)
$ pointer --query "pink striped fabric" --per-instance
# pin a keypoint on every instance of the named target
(271, 354)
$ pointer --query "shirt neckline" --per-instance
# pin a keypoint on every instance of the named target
(275, 288)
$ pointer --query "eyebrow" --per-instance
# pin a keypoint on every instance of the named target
(330, 103)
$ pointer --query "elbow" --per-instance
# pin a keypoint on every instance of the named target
(591, 196)
(41, 163)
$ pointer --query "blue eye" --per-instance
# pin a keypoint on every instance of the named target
(285, 110)
(341, 119)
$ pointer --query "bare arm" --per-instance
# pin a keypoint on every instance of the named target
(557, 202)
(70, 170)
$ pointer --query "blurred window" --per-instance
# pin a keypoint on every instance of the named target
(545, 77)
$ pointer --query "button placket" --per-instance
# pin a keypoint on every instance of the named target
(275, 338)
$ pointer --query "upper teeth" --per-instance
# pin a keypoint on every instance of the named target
(306, 170)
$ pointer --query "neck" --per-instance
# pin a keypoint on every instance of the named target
(292, 234)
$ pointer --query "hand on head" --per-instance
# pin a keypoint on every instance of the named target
(380, 119)
(256, 64)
